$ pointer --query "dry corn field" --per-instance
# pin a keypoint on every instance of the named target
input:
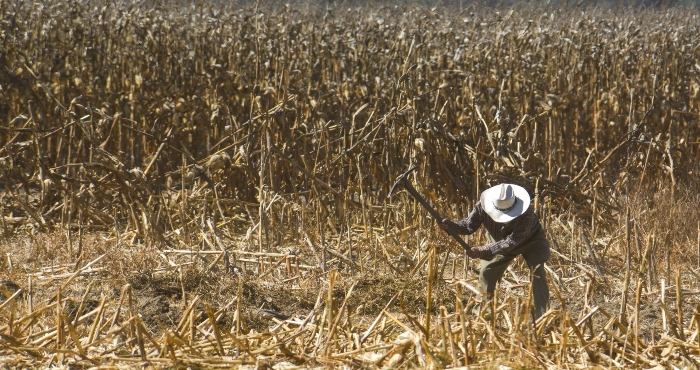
(206, 185)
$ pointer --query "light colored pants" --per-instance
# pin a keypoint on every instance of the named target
(535, 252)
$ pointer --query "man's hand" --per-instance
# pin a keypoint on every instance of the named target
(445, 223)
(472, 252)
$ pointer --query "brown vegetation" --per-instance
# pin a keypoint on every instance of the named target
(205, 185)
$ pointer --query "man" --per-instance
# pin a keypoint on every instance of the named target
(507, 215)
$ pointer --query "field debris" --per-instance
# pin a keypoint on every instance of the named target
(205, 185)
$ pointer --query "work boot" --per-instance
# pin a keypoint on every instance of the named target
(539, 312)
(483, 309)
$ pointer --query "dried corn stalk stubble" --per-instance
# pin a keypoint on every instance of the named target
(222, 162)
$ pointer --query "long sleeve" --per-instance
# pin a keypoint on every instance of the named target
(472, 223)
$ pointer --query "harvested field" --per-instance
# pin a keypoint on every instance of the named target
(206, 185)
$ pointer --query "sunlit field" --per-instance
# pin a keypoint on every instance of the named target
(205, 185)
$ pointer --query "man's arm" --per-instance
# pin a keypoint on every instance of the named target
(468, 225)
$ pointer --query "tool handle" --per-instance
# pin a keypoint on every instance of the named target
(435, 214)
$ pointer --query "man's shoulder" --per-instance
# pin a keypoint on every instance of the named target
(528, 216)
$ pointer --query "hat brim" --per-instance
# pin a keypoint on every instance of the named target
(522, 203)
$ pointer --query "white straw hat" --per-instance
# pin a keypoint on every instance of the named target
(505, 202)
